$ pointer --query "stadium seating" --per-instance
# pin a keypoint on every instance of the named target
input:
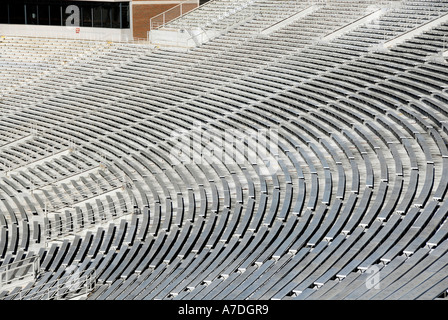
(114, 170)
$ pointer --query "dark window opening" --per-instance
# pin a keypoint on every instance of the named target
(105, 17)
(125, 17)
(86, 16)
(17, 13)
(115, 17)
(44, 15)
(4, 15)
(53, 12)
(55, 15)
(97, 16)
(31, 14)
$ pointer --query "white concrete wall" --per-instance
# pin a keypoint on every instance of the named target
(66, 32)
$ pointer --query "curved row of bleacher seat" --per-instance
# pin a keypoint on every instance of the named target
(46, 56)
(359, 181)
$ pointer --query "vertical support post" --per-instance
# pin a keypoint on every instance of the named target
(444, 43)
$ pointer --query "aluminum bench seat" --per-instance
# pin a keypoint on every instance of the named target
(163, 292)
(359, 212)
(13, 246)
(168, 244)
(396, 272)
(229, 255)
(115, 273)
(279, 283)
(425, 192)
(120, 235)
(119, 287)
(248, 246)
(327, 267)
(326, 223)
(415, 272)
(273, 208)
(95, 247)
(429, 290)
(343, 217)
(106, 244)
(3, 241)
(438, 236)
(48, 259)
(61, 254)
(132, 232)
(392, 202)
(268, 246)
(156, 219)
(74, 249)
(24, 236)
(155, 248)
(355, 288)
(427, 278)
(428, 222)
(192, 281)
(286, 206)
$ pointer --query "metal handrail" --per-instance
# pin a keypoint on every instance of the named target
(164, 22)
(55, 230)
(58, 288)
(19, 270)
(198, 7)
(182, 13)
(228, 28)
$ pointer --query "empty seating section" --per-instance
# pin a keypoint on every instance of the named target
(277, 165)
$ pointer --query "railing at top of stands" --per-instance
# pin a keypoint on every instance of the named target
(19, 270)
(251, 13)
(160, 20)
